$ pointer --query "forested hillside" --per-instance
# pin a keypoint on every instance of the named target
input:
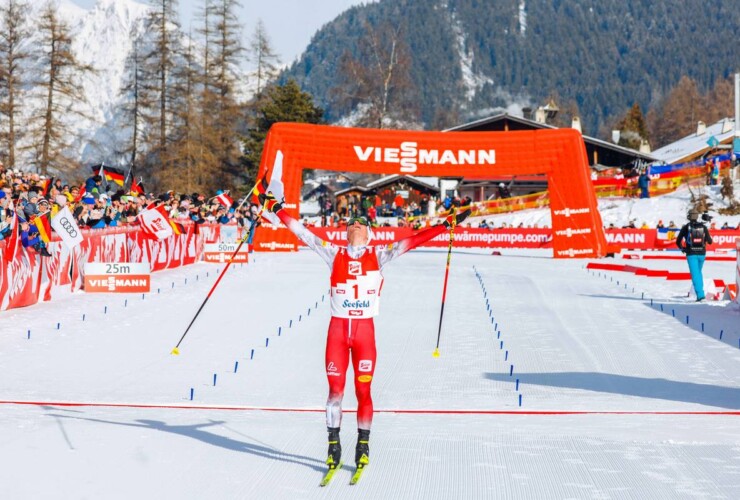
(462, 59)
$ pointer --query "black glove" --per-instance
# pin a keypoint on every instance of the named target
(269, 202)
(456, 218)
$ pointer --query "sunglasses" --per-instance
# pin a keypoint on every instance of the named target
(362, 220)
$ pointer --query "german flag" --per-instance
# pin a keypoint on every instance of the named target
(177, 228)
(259, 188)
(137, 187)
(46, 185)
(43, 224)
(114, 175)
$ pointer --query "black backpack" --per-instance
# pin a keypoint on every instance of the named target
(697, 238)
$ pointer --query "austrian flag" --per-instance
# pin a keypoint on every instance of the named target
(225, 200)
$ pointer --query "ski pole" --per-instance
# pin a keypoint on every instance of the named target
(444, 288)
(246, 237)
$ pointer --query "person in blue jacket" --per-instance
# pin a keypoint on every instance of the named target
(692, 240)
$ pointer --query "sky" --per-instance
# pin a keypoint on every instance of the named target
(290, 24)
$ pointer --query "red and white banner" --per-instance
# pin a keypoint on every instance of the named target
(222, 252)
(28, 278)
(737, 271)
(622, 239)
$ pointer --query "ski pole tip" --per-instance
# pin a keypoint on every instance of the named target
(435, 354)
(175, 351)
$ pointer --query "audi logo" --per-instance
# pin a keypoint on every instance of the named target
(67, 225)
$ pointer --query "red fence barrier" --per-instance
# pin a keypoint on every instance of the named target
(624, 239)
(29, 278)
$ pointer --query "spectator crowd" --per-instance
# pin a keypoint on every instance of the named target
(99, 204)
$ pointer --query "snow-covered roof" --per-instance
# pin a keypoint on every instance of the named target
(424, 181)
(694, 145)
(538, 125)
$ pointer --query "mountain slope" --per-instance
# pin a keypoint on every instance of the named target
(471, 57)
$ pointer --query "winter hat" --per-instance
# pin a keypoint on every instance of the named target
(88, 199)
(32, 194)
(30, 209)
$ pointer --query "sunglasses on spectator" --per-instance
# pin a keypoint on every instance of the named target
(362, 220)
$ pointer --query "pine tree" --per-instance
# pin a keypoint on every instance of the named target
(281, 103)
(633, 129)
(13, 36)
(58, 82)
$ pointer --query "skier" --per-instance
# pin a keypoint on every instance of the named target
(692, 240)
(356, 282)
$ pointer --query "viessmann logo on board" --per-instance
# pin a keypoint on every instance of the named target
(409, 156)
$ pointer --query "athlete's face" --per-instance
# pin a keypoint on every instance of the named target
(357, 234)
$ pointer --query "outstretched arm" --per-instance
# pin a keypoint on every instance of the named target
(387, 253)
(326, 250)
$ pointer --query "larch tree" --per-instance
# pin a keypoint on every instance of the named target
(57, 82)
(158, 64)
(221, 103)
(265, 60)
(14, 35)
(375, 84)
(679, 113)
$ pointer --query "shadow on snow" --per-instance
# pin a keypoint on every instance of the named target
(196, 431)
(652, 388)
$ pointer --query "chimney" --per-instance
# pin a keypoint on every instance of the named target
(726, 126)
(551, 110)
(615, 136)
(701, 128)
(576, 124)
(644, 146)
(527, 112)
(539, 115)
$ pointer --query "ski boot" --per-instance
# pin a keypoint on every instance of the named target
(362, 450)
(335, 448)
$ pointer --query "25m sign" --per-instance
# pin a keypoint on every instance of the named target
(128, 277)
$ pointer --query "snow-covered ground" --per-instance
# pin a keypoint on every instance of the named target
(659, 390)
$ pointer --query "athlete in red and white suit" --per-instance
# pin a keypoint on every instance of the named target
(356, 284)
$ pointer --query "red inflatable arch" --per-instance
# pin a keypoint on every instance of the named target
(559, 153)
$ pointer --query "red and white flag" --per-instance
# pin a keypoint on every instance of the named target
(12, 242)
(155, 223)
(225, 200)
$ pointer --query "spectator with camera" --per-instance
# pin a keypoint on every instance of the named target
(692, 240)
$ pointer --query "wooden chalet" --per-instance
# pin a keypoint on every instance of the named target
(601, 154)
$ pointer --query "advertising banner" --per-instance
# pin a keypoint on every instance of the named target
(117, 277)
